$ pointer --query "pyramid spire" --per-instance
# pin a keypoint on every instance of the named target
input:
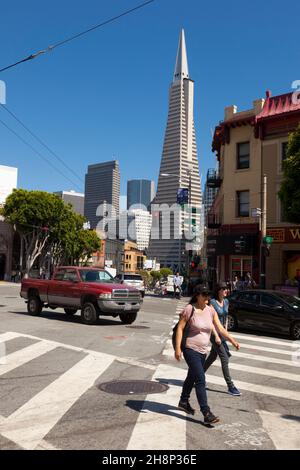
(181, 67)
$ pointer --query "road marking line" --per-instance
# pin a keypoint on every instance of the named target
(266, 340)
(24, 355)
(260, 371)
(158, 426)
(256, 388)
(250, 387)
(284, 432)
(169, 352)
(45, 445)
(28, 425)
(262, 348)
(271, 360)
(8, 336)
(96, 354)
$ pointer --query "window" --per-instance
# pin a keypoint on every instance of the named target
(95, 276)
(269, 301)
(59, 276)
(133, 277)
(243, 203)
(250, 298)
(70, 275)
(243, 155)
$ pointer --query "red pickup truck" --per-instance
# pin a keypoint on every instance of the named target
(92, 290)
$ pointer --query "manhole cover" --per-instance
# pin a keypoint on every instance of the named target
(2, 305)
(11, 297)
(133, 387)
(138, 327)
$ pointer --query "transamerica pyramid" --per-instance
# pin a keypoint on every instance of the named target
(178, 169)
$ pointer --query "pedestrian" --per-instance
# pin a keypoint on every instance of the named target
(236, 283)
(220, 304)
(201, 319)
(249, 282)
(177, 282)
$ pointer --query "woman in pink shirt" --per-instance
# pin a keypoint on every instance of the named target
(202, 320)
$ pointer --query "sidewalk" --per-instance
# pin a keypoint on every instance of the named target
(7, 283)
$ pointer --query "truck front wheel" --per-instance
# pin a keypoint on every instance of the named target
(128, 318)
(89, 313)
(34, 305)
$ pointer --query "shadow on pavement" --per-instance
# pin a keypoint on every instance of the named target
(76, 319)
(291, 417)
(142, 406)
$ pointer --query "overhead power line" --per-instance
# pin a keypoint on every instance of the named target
(42, 143)
(39, 154)
(71, 38)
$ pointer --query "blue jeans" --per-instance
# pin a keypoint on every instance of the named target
(196, 375)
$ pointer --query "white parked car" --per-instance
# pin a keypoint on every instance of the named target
(133, 280)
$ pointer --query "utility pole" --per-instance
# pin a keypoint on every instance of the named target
(263, 233)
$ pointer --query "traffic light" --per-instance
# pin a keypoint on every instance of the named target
(193, 264)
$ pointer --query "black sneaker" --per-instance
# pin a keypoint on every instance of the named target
(186, 407)
(210, 418)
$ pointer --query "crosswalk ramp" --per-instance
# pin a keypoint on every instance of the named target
(50, 393)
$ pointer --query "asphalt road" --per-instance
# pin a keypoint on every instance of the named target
(52, 368)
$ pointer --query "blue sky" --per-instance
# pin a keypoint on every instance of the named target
(105, 95)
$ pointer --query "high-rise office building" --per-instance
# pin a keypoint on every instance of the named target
(179, 167)
(102, 188)
(140, 193)
(73, 198)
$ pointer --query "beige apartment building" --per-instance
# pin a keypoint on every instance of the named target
(134, 259)
(248, 145)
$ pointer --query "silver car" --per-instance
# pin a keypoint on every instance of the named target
(133, 280)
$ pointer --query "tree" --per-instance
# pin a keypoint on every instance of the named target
(49, 227)
(165, 272)
(156, 276)
(289, 192)
(87, 242)
(33, 214)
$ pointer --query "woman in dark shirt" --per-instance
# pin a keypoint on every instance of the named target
(221, 304)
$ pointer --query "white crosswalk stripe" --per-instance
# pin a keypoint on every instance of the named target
(25, 355)
(157, 426)
(47, 407)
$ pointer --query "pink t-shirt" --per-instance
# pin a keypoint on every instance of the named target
(200, 328)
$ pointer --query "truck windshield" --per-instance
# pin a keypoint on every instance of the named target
(95, 276)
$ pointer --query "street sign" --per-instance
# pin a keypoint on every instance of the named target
(268, 240)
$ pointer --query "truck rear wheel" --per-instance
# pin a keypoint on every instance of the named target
(70, 311)
(128, 318)
(34, 305)
(89, 313)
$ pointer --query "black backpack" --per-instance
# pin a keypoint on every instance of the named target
(184, 335)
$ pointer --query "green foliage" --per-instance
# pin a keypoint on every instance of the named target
(87, 242)
(165, 272)
(47, 225)
(289, 193)
(156, 275)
